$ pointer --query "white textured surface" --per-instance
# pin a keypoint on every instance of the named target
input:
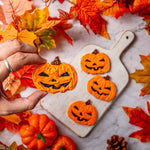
(115, 121)
(57, 104)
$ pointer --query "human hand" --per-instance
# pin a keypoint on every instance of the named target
(18, 54)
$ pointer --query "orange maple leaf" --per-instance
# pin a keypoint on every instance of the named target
(12, 8)
(12, 86)
(139, 118)
(139, 6)
(143, 76)
(118, 8)
(88, 12)
(12, 34)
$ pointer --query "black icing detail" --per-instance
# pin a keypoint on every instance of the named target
(87, 60)
(78, 117)
(43, 74)
(53, 86)
(76, 107)
(98, 92)
(94, 67)
(64, 74)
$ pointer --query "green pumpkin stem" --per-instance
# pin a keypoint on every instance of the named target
(62, 148)
(39, 136)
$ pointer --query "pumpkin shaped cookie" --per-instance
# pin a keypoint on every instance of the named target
(83, 113)
(95, 63)
(55, 77)
(102, 88)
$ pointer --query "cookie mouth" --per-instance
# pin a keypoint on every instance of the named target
(78, 118)
(55, 87)
(99, 92)
(100, 67)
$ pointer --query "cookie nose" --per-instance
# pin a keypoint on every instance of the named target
(94, 64)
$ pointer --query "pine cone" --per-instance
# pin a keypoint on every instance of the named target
(117, 143)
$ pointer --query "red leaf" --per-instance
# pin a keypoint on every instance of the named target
(2, 123)
(12, 127)
(117, 9)
(63, 25)
(139, 118)
(61, 1)
(25, 75)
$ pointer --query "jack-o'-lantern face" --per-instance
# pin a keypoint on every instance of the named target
(95, 63)
(55, 77)
(101, 88)
(82, 113)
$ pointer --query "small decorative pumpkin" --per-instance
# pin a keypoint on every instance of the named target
(82, 113)
(95, 63)
(63, 143)
(55, 77)
(39, 133)
(102, 88)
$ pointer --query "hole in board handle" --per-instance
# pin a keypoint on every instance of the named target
(127, 37)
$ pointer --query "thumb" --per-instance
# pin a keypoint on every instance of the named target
(25, 103)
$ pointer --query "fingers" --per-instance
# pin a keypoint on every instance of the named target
(20, 104)
(10, 47)
(19, 59)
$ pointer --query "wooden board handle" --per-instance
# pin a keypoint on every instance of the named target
(125, 40)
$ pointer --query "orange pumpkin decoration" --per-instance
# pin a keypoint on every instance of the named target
(82, 113)
(102, 88)
(63, 143)
(95, 63)
(55, 77)
(39, 133)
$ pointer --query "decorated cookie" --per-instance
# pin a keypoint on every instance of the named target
(102, 88)
(83, 113)
(55, 77)
(95, 63)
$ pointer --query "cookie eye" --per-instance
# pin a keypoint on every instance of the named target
(64, 74)
(87, 60)
(43, 74)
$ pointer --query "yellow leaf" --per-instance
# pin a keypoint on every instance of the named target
(143, 76)
(13, 118)
(26, 37)
(12, 34)
(37, 20)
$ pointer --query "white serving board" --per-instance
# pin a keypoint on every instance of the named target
(57, 104)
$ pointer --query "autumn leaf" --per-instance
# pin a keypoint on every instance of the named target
(12, 86)
(25, 75)
(117, 9)
(143, 76)
(63, 25)
(37, 20)
(12, 8)
(88, 12)
(139, 6)
(147, 26)
(38, 23)
(139, 118)
(12, 34)
(13, 122)
(13, 118)
(45, 39)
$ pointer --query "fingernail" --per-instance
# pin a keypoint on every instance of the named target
(44, 94)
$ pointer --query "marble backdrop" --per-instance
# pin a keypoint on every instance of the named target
(115, 121)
